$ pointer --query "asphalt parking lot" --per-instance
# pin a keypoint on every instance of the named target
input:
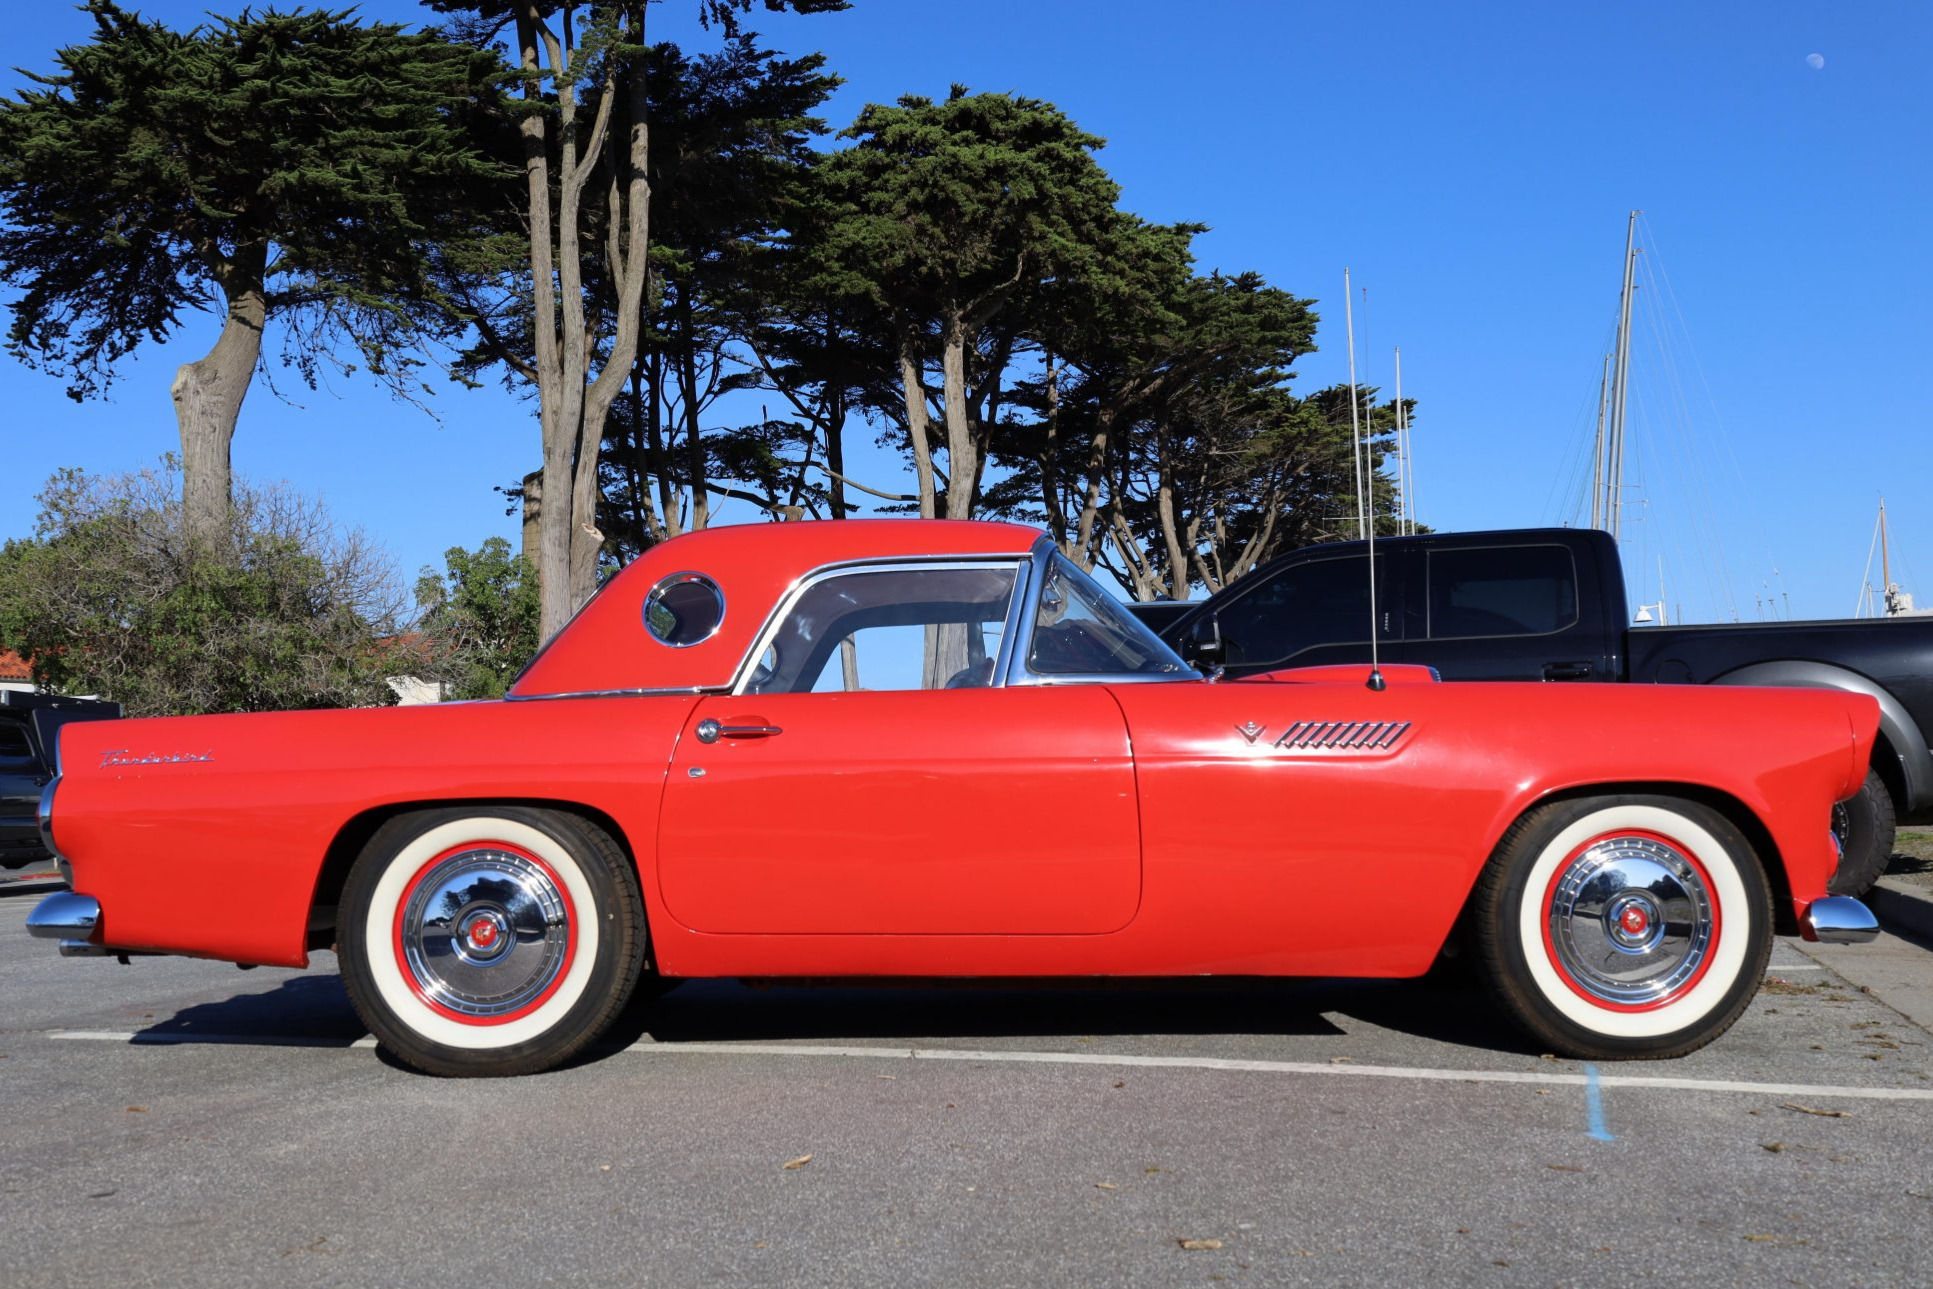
(179, 1122)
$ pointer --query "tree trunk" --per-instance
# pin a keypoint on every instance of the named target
(1082, 550)
(551, 555)
(533, 508)
(835, 404)
(1170, 531)
(572, 407)
(628, 216)
(208, 397)
(1049, 458)
(962, 454)
(694, 433)
(917, 425)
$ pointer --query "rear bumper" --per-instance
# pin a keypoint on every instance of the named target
(1838, 919)
(72, 919)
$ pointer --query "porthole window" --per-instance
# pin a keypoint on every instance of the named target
(683, 610)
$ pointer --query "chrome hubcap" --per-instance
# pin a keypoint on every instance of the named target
(1631, 920)
(485, 932)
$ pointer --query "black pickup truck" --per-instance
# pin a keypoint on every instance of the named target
(27, 725)
(1549, 604)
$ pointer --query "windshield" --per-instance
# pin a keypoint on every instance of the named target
(1081, 630)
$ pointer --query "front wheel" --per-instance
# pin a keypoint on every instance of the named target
(490, 941)
(1624, 926)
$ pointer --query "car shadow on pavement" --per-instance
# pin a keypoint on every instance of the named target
(304, 1011)
(312, 1010)
(717, 1011)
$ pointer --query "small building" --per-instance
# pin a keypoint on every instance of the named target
(15, 674)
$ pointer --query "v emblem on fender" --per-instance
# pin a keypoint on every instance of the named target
(1251, 731)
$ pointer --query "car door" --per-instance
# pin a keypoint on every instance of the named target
(871, 777)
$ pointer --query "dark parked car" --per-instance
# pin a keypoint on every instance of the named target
(27, 725)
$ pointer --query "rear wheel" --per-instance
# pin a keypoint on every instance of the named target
(1624, 926)
(490, 941)
(1865, 826)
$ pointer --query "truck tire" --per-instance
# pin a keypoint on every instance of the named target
(490, 940)
(1623, 926)
(1865, 825)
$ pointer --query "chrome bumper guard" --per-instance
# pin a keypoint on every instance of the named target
(1839, 919)
(70, 918)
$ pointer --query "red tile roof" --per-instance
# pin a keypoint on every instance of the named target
(13, 666)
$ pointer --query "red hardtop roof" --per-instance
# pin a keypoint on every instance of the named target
(607, 648)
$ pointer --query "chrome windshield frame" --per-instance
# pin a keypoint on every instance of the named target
(1017, 672)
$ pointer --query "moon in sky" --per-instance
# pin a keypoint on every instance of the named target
(1815, 61)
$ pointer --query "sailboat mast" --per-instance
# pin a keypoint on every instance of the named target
(1402, 447)
(1355, 422)
(1885, 556)
(1614, 472)
(1597, 459)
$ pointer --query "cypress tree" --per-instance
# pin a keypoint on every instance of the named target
(296, 168)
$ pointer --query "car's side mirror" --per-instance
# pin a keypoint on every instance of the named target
(1202, 646)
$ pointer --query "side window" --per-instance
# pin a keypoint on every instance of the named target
(1501, 591)
(901, 628)
(15, 752)
(1321, 602)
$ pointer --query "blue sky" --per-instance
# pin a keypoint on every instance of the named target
(1473, 165)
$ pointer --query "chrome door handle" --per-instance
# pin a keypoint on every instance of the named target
(710, 731)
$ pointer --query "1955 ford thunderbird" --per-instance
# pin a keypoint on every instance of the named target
(936, 749)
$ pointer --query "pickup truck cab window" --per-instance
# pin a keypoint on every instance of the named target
(1305, 606)
(14, 749)
(1501, 591)
(908, 627)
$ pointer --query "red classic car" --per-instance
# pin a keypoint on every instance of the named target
(917, 748)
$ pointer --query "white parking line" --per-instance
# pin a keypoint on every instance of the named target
(1538, 1078)
(150, 1038)
(1552, 1079)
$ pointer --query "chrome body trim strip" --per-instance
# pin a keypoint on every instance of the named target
(65, 915)
(615, 693)
(44, 816)
(748, 665)
(1839, 919)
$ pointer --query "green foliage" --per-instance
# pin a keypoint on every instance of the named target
(479, 622)
(304, 155)
(730, 141)
(958, 205)
(110, 598)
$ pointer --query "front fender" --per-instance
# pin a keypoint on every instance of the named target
(1896, 725)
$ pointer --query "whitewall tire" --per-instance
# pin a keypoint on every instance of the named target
(1624, 926)
(490, 940)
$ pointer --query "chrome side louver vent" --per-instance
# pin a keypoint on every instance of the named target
(1343, 735)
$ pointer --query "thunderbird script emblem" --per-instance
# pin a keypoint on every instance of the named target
(1251, 731)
